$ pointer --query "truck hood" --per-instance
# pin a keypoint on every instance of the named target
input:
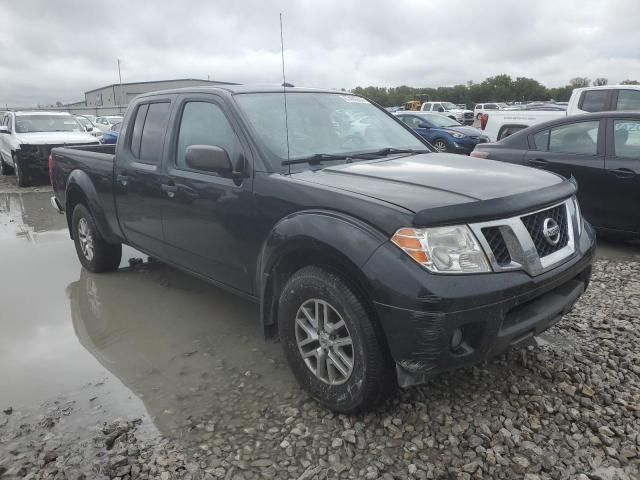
(459, 110)
(427, 181)
(54, 138)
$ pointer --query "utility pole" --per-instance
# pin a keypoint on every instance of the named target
(120, 77)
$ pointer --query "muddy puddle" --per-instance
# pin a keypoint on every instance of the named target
(144, 342)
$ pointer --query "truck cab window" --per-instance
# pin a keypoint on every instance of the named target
(153, 132)
(595, 100)
(204, 123)
(136, 135)
(628, 100)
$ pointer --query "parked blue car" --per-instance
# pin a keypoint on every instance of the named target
(445, 134)
(111, 135)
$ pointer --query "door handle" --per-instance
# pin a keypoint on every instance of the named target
(538, 162)
(169, 189)
(624, 173)
(187, 193)
(123, 178)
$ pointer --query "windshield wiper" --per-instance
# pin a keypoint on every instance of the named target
(383, 152)
(327, 157)
(316, 158)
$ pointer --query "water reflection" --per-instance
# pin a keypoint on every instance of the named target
(187, 349)
(30, 216)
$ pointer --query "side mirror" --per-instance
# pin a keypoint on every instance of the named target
(4, 129)
(89, 129)
(209, 159)
(423, 125)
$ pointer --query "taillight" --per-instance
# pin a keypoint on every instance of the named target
(51, 164)
(480, 154)
(483, 120)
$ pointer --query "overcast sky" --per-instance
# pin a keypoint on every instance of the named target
(55, 50)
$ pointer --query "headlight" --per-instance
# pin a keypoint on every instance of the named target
(455, 134)
(443, 249)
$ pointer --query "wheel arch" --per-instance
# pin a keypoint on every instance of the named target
(335, 242)
(80, 189)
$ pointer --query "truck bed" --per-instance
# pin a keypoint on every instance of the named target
(93, 161)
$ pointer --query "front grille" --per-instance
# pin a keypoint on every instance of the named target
(497, 244)
(468, 115)
(534, 224)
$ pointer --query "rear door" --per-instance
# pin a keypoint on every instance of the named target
(208, 218)
(621, 186)
(574, 149)
(138, 175)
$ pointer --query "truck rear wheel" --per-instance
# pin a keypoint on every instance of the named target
(332, 344)
(95, 254)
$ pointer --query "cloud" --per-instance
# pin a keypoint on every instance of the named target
(54, 51)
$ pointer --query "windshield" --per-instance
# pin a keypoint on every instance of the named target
(503, 105)
(450, 106)
(324, 123)
(47, 123)
(440, 121)
(84, 122)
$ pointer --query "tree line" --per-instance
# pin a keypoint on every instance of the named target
(501, 88)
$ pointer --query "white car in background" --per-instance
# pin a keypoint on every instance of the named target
(26, 140)
(451, 110)
(89, 126)
(105, 123)
(481, 108)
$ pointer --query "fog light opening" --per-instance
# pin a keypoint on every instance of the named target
(456, 340)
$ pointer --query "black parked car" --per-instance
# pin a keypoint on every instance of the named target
(600, 150)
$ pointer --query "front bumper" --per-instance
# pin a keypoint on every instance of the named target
(421, 312)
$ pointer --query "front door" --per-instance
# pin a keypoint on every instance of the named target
(576, 150)
(208, 218)
(138, 178)
(621, 186)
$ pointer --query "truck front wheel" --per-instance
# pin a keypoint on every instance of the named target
(332, 344)
(95, 254)
(5, 169)
(18, 168)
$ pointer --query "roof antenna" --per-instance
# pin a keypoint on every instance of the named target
(284, 92)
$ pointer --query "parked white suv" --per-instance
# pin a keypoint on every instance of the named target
(451, 110)
(500, 124)
(480, 108)
(26, 140)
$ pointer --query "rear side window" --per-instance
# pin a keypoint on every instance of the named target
(541, 139)
(204, 123)
(595, 100)
(136, 135)
(628, 100)
(626, 136)
(155, 126)
(579, 138)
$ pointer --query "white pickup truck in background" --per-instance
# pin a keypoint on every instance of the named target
(502, 123)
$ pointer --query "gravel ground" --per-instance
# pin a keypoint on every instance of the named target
(566, 409)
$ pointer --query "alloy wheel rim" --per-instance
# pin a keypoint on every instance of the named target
(440, 146)
(324, 342)
(86, 239)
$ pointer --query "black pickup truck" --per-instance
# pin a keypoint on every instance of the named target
(375, 261)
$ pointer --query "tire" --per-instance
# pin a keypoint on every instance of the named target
(370, 378)
(94, 253)
(18, 169)
(5, 169)
(440, 145)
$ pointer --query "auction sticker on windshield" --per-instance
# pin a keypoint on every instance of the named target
(353, 99)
